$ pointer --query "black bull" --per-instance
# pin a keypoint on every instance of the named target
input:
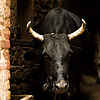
(63, 57)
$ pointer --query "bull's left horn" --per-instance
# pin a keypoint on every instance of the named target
(33, 33)
(79, 31)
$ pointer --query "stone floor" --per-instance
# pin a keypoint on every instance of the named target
(90, 90)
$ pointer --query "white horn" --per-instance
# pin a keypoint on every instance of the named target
(79, 31)
(33, 33)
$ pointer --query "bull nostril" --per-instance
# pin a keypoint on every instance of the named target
(57, 86)
(66, 86)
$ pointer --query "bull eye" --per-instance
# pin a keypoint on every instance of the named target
(69, 54)
(45, 54)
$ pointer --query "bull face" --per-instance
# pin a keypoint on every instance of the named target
(56, 54)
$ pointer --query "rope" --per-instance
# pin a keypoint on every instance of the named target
(59, 96)
(56, 96)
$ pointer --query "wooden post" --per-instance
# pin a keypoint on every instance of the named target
(4, 52)
(25, 9)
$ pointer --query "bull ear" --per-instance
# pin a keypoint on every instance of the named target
(75, 48)
(70, 53)
(33, 33)
(79, 31)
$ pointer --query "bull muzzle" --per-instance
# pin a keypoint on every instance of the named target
(60, 87)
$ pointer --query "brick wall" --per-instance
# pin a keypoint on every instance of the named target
(41, 8)
(4, 52)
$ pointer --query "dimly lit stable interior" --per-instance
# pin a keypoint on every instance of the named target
(27, 74)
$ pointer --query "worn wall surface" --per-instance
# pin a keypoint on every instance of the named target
(13, 19)
(4, 52)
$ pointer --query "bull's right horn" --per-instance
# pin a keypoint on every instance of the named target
(33, 33)
(79, 31)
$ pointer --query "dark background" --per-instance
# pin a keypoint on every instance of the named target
(88, 10)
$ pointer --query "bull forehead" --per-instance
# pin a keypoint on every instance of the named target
(56, 45)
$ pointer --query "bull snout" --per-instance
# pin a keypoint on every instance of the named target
(61, 87)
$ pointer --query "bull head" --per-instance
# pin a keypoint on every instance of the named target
(71, 36)
(60, 56)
